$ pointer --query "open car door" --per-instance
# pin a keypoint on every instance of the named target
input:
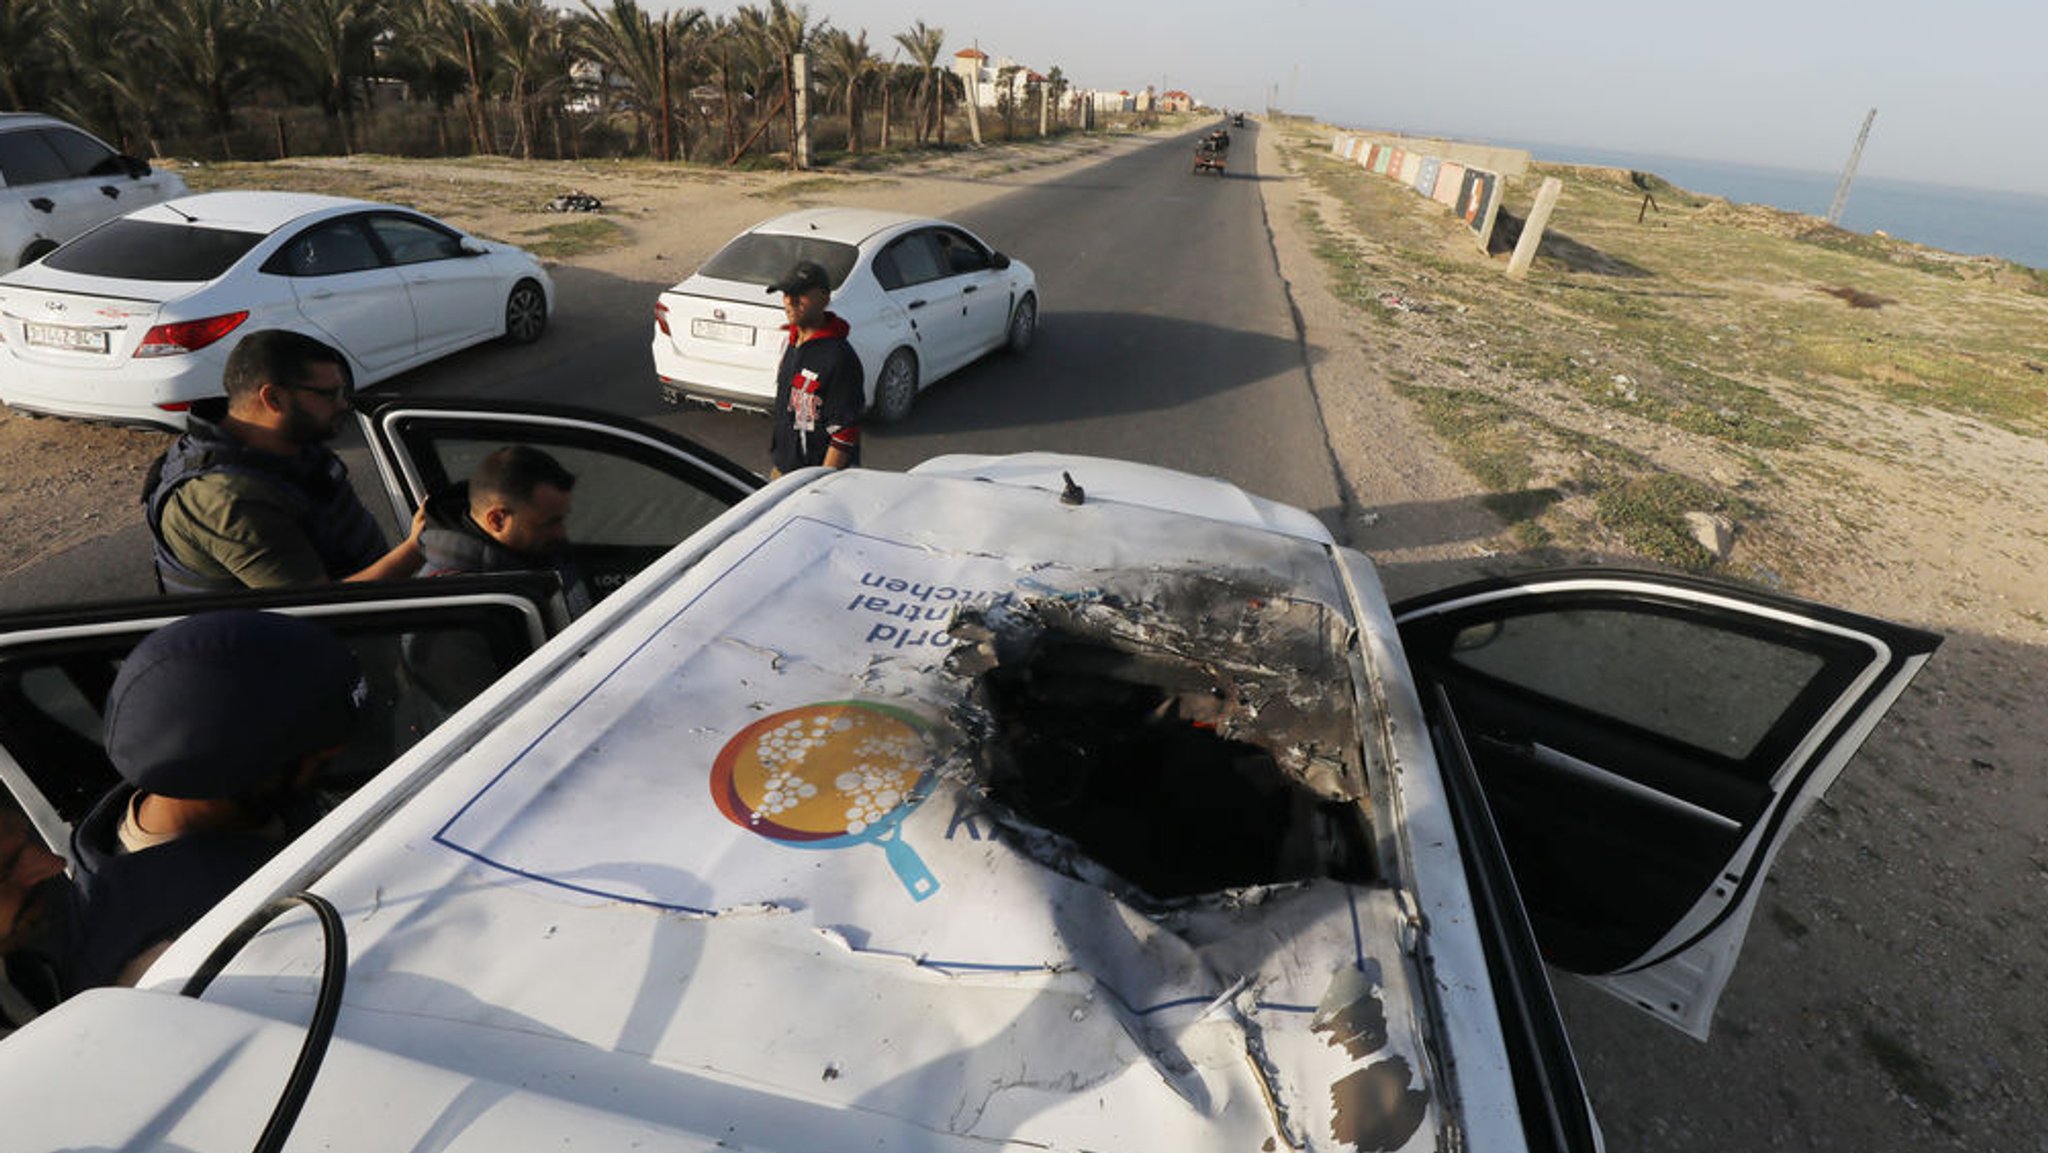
(1645, 742)
(640, 489)
(425, 648)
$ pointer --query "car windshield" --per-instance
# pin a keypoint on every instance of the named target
(147, 250)
(762, 257)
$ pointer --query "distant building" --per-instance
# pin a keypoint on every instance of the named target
(982, 75)
(1176, 101)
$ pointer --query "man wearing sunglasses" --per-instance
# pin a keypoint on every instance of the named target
(252, 497)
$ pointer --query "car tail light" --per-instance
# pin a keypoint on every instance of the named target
(661, 318)
(189, 335)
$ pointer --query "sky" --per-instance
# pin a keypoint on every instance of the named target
(1960, 86)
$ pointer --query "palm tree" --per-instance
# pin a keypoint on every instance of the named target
(329, 44)
(924, 45)
(208, 52)
(527, 40)
(627, 44)
(25, 59)
(94, 43)
(427, 48)
(846, 56)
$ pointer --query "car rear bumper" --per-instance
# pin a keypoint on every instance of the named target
(133, 393)
(724, 386)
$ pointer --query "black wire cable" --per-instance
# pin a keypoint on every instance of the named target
(326, 1007)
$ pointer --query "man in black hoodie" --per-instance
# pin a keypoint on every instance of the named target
(512, 514)
(820, 388)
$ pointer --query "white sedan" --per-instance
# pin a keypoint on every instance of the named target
(924, 298)
(134, 321)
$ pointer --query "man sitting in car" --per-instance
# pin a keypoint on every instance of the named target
(512, 514)
(218, 725)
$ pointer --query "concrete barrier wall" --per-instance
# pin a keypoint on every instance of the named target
(1467, 179)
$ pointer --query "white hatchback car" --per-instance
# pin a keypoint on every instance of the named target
(134, 321)
(57, 180)
(1035, 802)
(924, 298)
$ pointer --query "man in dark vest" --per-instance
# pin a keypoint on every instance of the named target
(218, 725)
(255, 498)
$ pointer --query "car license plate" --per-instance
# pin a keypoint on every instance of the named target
(719, 330)
(59, 336)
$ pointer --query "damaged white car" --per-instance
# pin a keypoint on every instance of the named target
(1027, 802)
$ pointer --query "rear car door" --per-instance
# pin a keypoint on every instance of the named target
(1645, 743)
(426, 648)
(983, 298)
(455, 297)
(912, 270)
(640, 490)
(345, 289)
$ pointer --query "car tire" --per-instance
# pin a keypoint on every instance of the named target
(1023, 324)
(526, 313)
(896, 386)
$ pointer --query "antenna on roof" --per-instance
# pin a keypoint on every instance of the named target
(1849, 172)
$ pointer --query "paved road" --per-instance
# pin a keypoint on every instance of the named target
(1167, 338)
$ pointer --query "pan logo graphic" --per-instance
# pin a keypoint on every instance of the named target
(829, 776)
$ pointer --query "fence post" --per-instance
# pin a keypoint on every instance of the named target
(1532, 229)
(800, 80)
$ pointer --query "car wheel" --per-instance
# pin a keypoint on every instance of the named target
(526, 313)
(1023, 323)
(896, 386)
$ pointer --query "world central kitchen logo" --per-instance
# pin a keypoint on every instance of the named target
(830, 776)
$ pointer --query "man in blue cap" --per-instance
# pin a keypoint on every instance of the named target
(218, 724)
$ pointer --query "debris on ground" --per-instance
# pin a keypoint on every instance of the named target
(574, 202)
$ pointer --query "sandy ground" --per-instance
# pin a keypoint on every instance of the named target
(1889, 993)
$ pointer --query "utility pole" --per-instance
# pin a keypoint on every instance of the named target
(1849, 172)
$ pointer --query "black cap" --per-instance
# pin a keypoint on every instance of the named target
(213, 705)
(803, 276)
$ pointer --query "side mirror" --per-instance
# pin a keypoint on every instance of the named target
(136, 167)
(471, 246)
(999, 261)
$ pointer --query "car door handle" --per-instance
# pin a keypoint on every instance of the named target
(914, 305)
(971, 288)
(110, 192)
(320, 294)
(43, 204)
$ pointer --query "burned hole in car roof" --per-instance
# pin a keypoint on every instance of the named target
(1201, 740)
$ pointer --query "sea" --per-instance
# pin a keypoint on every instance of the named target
(1967, 221)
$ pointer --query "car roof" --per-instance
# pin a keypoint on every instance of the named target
(28, 119)
(848, 225)
(251, 211)
(572, 859)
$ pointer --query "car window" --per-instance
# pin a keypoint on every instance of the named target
(915, 258)
(762, 257)
(412, 241)
(148, 250)
(618, 501)
(1645, 668)
(26, 158)
(958, 253)
(419, 667)
(84, 156)
(330, 249)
